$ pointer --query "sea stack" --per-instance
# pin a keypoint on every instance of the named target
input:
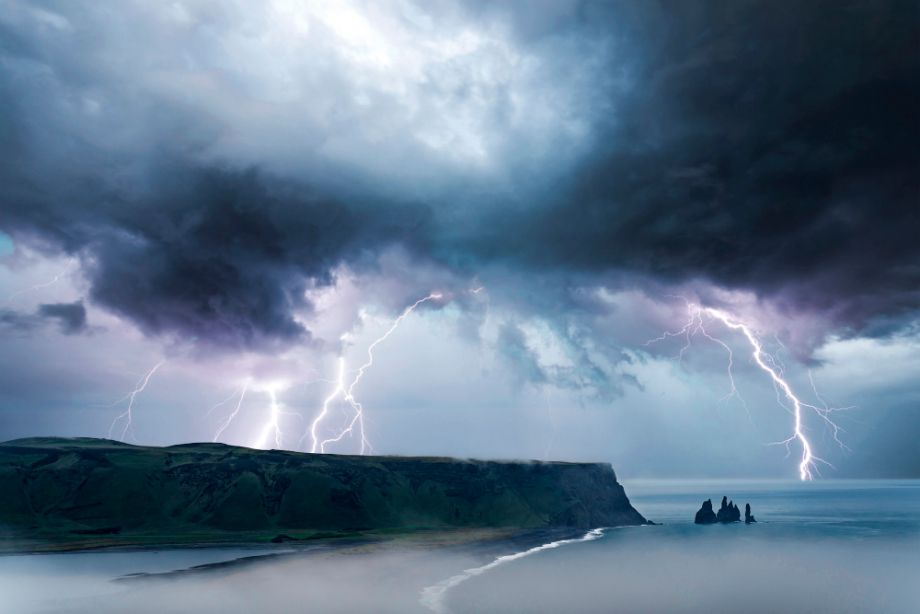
(728, 512)
(705, 515)
(748, 516)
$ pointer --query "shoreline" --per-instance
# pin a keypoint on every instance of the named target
(438, 556)
(496, 549)
(422, 538)
(425, 571)
(433, 597)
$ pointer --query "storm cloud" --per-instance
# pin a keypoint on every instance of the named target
(71, 317)
(211, 162)
(766, 149)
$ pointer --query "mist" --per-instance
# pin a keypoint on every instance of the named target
(638, 573)
(630, 570)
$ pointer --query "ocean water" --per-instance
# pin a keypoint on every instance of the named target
(824, 546)
(830, 546)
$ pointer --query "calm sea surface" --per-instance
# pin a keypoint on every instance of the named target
(829, 546)
(826, 546)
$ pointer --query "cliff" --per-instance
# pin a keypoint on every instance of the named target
(83, 489)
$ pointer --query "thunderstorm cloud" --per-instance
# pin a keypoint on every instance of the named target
(214, 168)
(764, 149)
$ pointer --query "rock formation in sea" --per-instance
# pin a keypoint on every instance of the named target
(705, 515)
(748, 516)
(728, 512)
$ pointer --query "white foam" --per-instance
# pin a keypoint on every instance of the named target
(433, 597)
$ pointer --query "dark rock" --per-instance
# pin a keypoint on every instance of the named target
(748, 516)
(728, 512)
(705, 515)
(723, 514)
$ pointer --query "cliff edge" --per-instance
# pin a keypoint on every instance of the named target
(71, 489)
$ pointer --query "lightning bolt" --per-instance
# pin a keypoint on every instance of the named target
(128, 415)
(272, 425)
(347, 391)
(271, 432)
(339, 389)
(231, 415)
(12, 297)
(696, 324)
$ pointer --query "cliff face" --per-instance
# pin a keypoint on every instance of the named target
(53, 486)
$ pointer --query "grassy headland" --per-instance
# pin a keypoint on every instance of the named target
(58, 493)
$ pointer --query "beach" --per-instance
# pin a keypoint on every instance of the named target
(834, 546)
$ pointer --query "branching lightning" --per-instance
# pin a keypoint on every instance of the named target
(272, 428)
(271, 432)
(696, 325)
(339, 389)
(347, 392)
(128, 415)
(231, 415)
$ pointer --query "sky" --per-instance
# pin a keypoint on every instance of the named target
(211, 211)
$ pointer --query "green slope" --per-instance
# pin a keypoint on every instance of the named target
(97, 491)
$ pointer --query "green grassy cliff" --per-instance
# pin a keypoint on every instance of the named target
(92, 490)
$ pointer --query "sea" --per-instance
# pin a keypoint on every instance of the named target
(823, 546)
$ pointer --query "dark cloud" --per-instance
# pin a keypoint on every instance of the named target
(71, 317)
(16, 321)
(763, 147)
(227, 256)
(752, 145)
(216, 256)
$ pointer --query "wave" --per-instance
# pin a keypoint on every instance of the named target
(433, 597)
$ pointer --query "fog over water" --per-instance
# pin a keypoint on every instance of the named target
(745, 574)
(820, 547)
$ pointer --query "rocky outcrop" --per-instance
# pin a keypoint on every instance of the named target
(728, 512)
(79, 487)
(706, 515)
(748, 516)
